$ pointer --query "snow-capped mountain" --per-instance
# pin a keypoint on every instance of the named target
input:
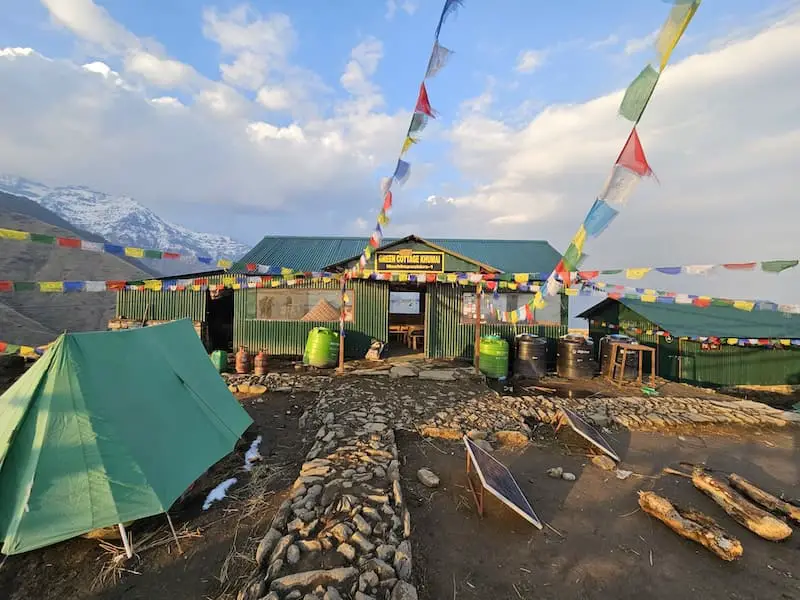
(122, 220)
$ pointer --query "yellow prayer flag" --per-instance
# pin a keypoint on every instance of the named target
(134, 252)
(228, 281)
(733, 341)
(223, 263)
(367, 252)
(153, 284)
(27, 350)
(236, 286)
(13, 234)
(326, 280)
(521, 277)
(636, 273)
(676, 23)
(786, 342)
(538, 301)
(403, 277)
(580, 238)
(383, 218)
(514, 316)
(51, 286)
(366, 273)
(194, 288)
(651, 292)
(648, 298)
(503, 285)
(407, 144)
(275, 282)
(512, 286)
(285, 271)
(744, 305)
(571, 292)
(451, 278)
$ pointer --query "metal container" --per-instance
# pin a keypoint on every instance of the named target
(260, 363)
(493, 356)
(631, 358)
(243, 362)
(219, 358)
(322, 348)
(530, 358)
(575, 357)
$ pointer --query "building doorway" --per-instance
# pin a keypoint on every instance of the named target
(219, 319)
(406, 319)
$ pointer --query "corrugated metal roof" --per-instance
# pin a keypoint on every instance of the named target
(686, 320)
(316, 253)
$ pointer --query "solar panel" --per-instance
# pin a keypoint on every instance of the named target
(498, 480)
(586, 431)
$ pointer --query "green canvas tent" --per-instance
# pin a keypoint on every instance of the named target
(109, 427)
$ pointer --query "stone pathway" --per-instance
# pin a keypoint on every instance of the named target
(344, 531)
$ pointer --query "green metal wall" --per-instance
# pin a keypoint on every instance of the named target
(163, 306)
(448, 337)
(288, 338)
(686, 361)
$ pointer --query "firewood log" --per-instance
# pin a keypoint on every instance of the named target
(737, 506)
(763, 498)
(692, 525)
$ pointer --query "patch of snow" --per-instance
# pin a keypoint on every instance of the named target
(218, 493)
(252, 455)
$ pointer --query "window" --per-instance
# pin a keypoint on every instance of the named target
(493, 304)
(404, 303)
(302, 305)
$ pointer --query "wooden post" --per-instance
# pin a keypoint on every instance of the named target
(341, 324)
(477, 358)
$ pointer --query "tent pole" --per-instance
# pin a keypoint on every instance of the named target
(125, 541)
(175, 535)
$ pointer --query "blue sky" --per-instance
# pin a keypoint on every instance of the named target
(286, 146)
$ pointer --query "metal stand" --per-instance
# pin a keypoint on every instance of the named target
(126, 541)
(478, 496)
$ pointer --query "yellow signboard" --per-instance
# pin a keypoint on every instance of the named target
(410, 261)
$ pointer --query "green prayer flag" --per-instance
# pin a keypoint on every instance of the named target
(25, 286)
(11, 349)
(776, 266)
(572, 257)
(611, 272)
(638, 94)
(153, 254)
(43, 239)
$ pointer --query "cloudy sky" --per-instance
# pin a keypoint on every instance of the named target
(280, 117)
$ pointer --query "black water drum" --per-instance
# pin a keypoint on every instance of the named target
(575, 358)
(631, 358)
(530, 358)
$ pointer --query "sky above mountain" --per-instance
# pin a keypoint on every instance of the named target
(280, 117)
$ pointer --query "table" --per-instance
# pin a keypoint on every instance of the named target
(623, 348)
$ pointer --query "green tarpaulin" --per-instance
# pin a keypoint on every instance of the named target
(109, 427)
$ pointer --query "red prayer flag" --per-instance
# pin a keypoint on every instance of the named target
(702, 302)
(632, 156)
(430, 277)
(528, 313)
(563, 272)
(423, 103)
(115, 285)
(588, 274)
(68, 242)
(387, 201)
(201, 281)
(6, 286)
(740, 266)
(172, 255)
(491, 285)
(250, 267)
(615, 296)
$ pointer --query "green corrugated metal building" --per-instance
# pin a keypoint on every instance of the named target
(279, 319)
(710, 362)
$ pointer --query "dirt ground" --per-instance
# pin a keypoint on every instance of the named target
(603, 546)
(71, 570)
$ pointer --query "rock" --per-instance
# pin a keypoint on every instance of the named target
(375, 427)
(253, 589)
(363, 596)
(258, 389)
(511, 438)
(309, 546)
(293, 555)
(308, 580)
(428, 478)
(274, 569)
(271, 596)
(568, 476)
(267, 545)
(443, 433)
(362, 525)
(438, 374)
(368, 580)
(402, 371)
(294, 595)
(381, 567)
(331, 492)
(295, 525)
(301, 422)
(604, 462)
(385, 552)
(404, 591)
(484, 445)
(623, 474)
(362, 542)
(341, 532)
(233, 388)
(555, 472)
(280, 547)
(476, 434)
(332, 594)
(347, 551)
(282, 515)
(402, 560)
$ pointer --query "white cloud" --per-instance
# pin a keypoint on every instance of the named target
(91, 23)
(611, 40)
(406, 6)
(161, 72)
(168, 101)
(637, 45)
(12, 52)
(363, 64)
(530, 60)
(277, 99)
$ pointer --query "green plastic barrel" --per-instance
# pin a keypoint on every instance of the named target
(494, 357)
(219, 358)
(322, 348)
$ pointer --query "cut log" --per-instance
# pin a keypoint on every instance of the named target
(763, 498)
(692, 525)
(743, 511)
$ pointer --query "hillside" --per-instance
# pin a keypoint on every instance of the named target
(35, 318)
(122, 220)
